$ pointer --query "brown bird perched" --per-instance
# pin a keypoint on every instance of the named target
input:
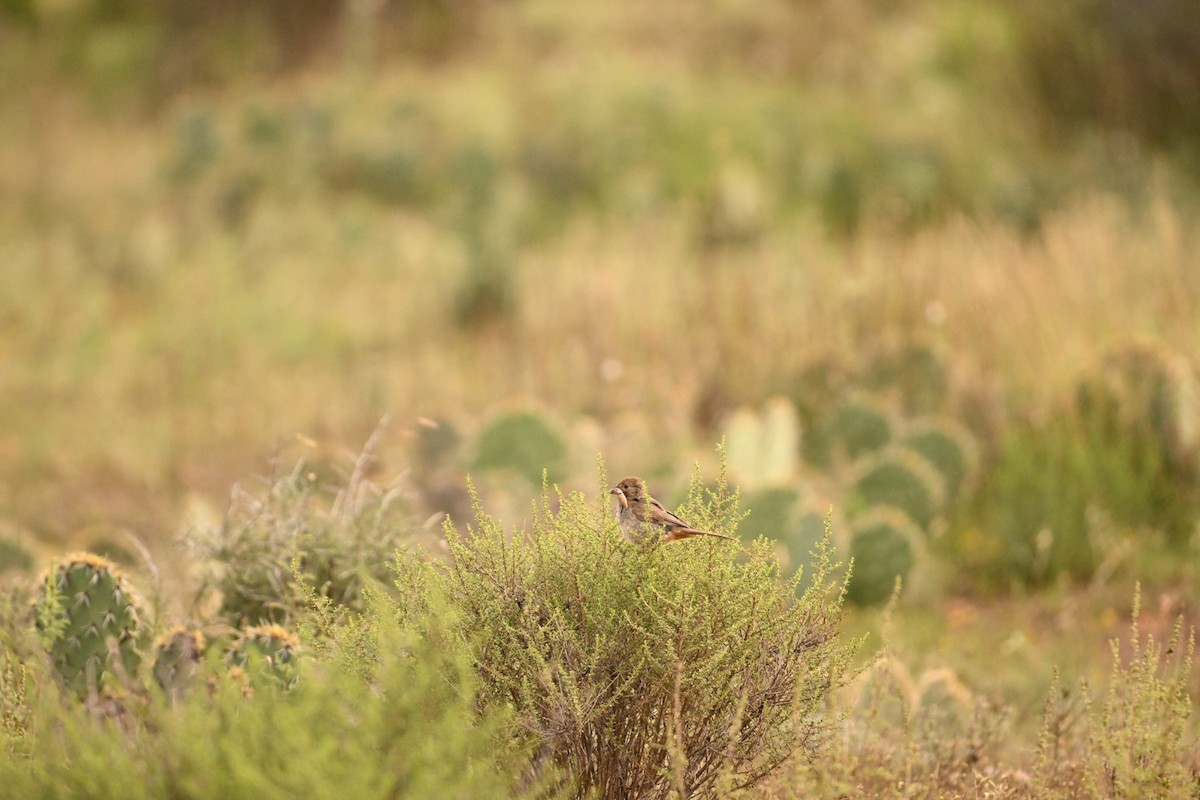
(641, 516)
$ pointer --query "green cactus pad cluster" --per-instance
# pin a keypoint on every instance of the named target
(89, 615)
(771, 513)
(267, 651)
(900, 478)
(177, 656)
(915, 374)
(949, 447)
(885, 544)
(523, 443)
(858, 427)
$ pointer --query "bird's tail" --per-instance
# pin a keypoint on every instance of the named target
(686, 533)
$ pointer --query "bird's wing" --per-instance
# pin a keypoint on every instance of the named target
(660, 516)
(677, 528)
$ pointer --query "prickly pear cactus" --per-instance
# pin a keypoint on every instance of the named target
(268, 651)
(772, 513)
(177, 655)
(859, 426)
(885, 544)
(949, 447)
(524, 443)
(916, 374)
(763, 449)
(90, 618)
(901, 478)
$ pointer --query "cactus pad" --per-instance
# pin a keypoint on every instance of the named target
(858, 427)
(949, 447)
(90, 616)
(900, 478)
(524, 443)
(269, 651)
(177, 655)
(885, 545)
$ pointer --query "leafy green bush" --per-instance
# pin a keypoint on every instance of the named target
(339, 536)
(406, 728)
(1037, 499)
(645, 672)
(1138, 741)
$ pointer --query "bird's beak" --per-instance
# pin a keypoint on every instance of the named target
(620, 496)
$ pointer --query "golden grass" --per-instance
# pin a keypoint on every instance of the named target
(158, 348)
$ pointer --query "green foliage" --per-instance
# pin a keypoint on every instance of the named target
(1147, 391)
(787, 516)
(340, 536)
(885, 544)
(647, 671)
(1138, 741)
(408, 729)
(90, 618)
(14, 557)
(524, 443)
(1037, 500)
(900, 478)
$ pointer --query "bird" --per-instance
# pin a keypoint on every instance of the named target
(641, 516)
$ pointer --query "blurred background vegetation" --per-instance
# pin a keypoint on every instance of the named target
(931, 262)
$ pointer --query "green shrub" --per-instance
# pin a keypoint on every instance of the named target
(645, 672)
(524, 443)
(1139, 741)
(787, 516)
(1037, 499)
(409, 728)
(339, 535)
